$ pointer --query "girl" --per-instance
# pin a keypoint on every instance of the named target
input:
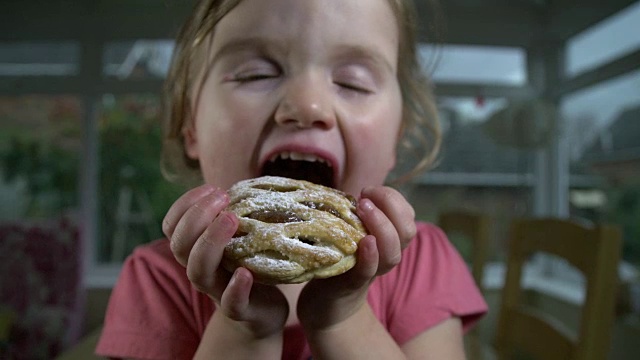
(322, 90)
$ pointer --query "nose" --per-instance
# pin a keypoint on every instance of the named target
(306, 103)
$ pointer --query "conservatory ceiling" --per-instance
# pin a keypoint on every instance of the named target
(521, 23)
(540, 27)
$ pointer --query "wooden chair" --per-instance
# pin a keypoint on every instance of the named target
(475, 227)
(595, 251)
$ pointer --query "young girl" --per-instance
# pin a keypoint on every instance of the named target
(314, 89)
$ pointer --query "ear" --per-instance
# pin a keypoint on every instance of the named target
(189, 135)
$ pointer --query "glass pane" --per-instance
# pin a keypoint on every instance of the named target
(141, 59)
(589, 111)
(40, 147)
(604, 42)
(37, 59)
(40, 250)
(470, 143)
(604, 132)
(133, 196)
(475, 64)
(477, 171)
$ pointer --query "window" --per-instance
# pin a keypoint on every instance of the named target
(475, 64)
(476, 170)
(604, 123)
(588, 112)
(39, 59)
(471, 145)
(613, 38)
(40, 147)
(40, 247)
(133, 197)
(141, 59)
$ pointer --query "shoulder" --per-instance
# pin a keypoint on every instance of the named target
(430, 249)
(152, 302)
(152, 269)
(156, 251)
(431, 284)
(154, 262)
(429, 253)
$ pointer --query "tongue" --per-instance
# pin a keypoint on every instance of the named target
(314, 172)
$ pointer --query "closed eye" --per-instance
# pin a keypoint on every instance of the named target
(256, 70)
(243, 78)
(355, 78)
(354, 87)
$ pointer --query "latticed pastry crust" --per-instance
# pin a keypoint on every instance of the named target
(292, 231)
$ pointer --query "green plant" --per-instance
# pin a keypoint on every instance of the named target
(49, 171)
(129, 153)
(624, 209)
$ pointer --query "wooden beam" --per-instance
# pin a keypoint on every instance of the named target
(493, 23)
(76, 85)
(570, 17)
(60, 20)
(621, 66)
(489, 22)
(486, 90)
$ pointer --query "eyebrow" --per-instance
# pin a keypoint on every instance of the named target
(369, 54)
(244, 44)
(345, 51)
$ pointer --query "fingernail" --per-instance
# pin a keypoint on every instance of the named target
(237, 278)
(218, 195)
(222, 194)
(366, 205)
(227, 220)
(208, 188)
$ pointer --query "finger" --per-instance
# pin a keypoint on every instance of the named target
(395, 206)
(367, 264)
(263, 308)
(181, 205)
(387, 241)
(365, 269)
(360, 275)
(203, 265)
(194, 222)
(235, 298)
(344, 292)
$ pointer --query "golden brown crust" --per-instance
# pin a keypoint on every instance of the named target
(292, 231)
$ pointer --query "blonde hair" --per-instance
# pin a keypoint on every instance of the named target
(420, 133)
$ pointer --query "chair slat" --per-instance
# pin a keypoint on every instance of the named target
(595, 251)
(545, 338)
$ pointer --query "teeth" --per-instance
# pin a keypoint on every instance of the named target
(296, 156)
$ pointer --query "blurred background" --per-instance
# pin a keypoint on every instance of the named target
(540, 106)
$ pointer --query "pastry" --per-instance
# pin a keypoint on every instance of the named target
(292, 231)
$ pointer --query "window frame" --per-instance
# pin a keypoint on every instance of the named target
(551, 177)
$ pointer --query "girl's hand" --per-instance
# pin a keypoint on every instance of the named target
(198, 230)
(390, 220)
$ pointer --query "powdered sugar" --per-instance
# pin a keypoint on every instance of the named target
(289, 228)
(279, 265)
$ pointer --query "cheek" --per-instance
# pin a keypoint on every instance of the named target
(378, 145)
(373, 146)
(227, 120)
(226, 137)
(380, 134)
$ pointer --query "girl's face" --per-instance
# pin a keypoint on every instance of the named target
(305, 89)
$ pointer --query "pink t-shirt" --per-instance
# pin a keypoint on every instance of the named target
(155, 313)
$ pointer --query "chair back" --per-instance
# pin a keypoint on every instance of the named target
(595, 252)
(475, 227)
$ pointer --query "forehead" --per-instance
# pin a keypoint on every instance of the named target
(365, 23)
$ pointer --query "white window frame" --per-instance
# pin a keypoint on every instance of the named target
(545, 66)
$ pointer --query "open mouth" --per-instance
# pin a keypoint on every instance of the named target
(300, 166)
